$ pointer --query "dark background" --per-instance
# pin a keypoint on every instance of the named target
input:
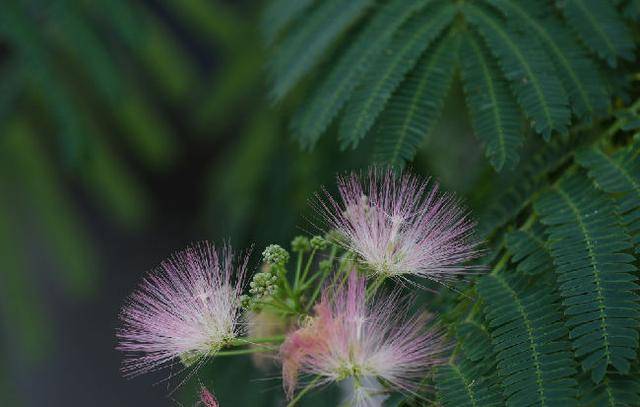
(128, 130)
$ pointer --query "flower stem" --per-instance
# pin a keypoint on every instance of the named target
(249, 341)
(243, 351)
(307, 267)
(304, 391)
(296, 281)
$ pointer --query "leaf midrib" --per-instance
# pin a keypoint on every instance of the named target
(532, 345)
(494, 100)
(594, 265)
(552, 44)
(523, 62)
(398, 58)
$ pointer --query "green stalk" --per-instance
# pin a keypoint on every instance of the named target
(308, 265)
(296, 281)
(304, 391)
(243, 351)
(249, 341)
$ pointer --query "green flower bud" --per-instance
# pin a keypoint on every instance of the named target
(300, 244)
(319, 243)
(275, 254)
(325, 266)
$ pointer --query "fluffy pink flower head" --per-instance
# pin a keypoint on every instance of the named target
(400, 225)
(350, 337)
(187, 308)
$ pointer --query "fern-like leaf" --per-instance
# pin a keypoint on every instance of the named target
(529, 70)
(328, 99)
(599, 25)
(615, 390)
(494, 114)
(417, 104)
(529, 250)
(618, 175)
(579, 75)
(534, 358)
(391, 66)
(302, 48)
(458, 385)
(595, 276)
(279, 14)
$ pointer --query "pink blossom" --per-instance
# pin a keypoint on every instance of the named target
(400, 225)
(207, 398)
(350, 337)
(187, 308)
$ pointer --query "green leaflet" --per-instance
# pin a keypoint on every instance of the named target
(416, 105)
(335, 90)
(279, 14)
(595, 275)
(301, 50)
(579, 75)
(529, 250)
(389, 69)
(534, 358)
(601, 28)
(615, 390)
(458, 385)
(494, 114)
(527, 67)
(620, 175)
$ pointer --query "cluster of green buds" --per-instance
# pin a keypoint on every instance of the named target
(275, 255)
(265, 284)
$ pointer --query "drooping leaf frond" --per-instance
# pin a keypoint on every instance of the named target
(619, 174)
(303, 47)
(279, 14)
(334, 91)
(550, 73)
(615, 390)
(458, 385)
(495, 116)
(579, 74)
(595, 275)
(600, 27)
(529, 338)
(529, 250)
(530, 72)
(389, 68)
(416, 106)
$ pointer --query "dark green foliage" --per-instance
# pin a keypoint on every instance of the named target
(540, 63)
(600, 26)
(530, 342)
(416, 106)
(529, 249)
(620, 175)
(389, 68)
(529, 70)
(615, 390)
(458, 385)
(303, 47)
(579, 74)
(493, 111)
(595, 275)
(335, 90)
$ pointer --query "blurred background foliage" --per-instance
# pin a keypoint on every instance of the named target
(129, 129)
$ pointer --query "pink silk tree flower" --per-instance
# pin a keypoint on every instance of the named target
(187, 308)
(207, 399)
(350, 337)
(401, 226)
